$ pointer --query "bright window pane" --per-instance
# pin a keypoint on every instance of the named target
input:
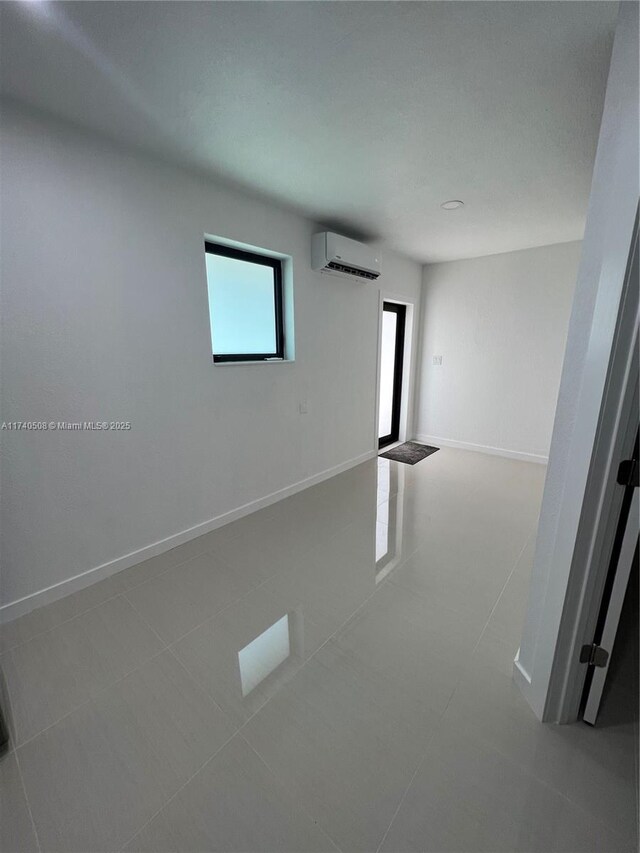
(241, 306)
(387, 366)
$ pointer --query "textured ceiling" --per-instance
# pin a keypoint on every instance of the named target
(364, 116)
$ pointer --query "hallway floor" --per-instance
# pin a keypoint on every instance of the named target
(330, 673)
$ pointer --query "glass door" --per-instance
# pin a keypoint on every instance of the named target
(391, 359)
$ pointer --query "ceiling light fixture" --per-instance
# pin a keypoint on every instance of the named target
(454, 204)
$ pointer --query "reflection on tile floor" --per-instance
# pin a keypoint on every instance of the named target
(332, 672)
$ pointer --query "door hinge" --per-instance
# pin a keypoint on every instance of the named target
(594, 655)
(628, 473)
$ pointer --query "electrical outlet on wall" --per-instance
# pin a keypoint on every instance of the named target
(302, 407)
(437, 359)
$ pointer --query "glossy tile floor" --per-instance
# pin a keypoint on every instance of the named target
(333, 672)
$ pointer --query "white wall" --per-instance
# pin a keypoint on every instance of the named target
(605, 252)
(104, 317)
(500, 325)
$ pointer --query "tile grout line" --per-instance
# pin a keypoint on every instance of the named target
(110, 686)
(165, 645)
(126, 590)
(257, 587)
(543, 782)
(175, 794)
(20, 773)
(27, 801)
(486, 625)
(55, 723)
(91, 698)
(441, 716)
(58, 625)
(402, 798)
(120, 592)
(420, 762)
(144, 621)
(222, 610)
(501, 593)
(169, 647)
(299, 805)
(304, 664)
(311, 656)
(158, 757)
(213, 615)
(193, 679)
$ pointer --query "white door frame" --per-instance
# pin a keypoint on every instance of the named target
(563, 581)
(601, 508)
(408, 384)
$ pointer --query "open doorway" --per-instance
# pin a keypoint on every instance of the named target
(391, 367)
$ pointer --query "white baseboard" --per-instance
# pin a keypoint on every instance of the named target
(483, 448)
(14, 609)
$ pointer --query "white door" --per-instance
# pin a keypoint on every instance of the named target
(391, 359)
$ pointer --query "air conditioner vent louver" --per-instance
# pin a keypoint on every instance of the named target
(340, 256)
(334, 265)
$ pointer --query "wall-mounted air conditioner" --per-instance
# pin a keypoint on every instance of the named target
(336, 255)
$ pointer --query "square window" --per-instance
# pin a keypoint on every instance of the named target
(245, 304)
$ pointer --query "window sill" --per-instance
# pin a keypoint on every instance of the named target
(250, 363)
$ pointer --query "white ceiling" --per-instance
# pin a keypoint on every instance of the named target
(364, 116)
